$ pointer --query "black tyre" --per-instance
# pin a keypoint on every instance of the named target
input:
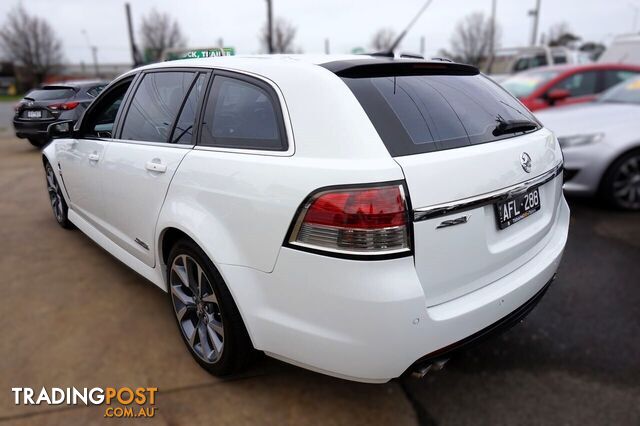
(38, 143)
(621, 183)
(207, 316)
(58, 204)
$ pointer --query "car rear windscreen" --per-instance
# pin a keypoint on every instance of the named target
(47, 94)
(415, 114)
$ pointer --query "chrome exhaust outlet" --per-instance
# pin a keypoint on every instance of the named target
(419, 373)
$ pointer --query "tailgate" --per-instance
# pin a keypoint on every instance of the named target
(461, 187)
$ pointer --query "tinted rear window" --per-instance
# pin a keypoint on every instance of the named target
(50, 94)
(417, 114)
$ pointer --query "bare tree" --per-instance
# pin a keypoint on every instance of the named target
(471, 40)
(31, 43)
(560, 34)
(283, 35)
(383, 39)
(159, 32)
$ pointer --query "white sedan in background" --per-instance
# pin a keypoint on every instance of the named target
(601, 145)
(358, 216)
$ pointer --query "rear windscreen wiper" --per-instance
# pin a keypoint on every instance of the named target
(513, 126)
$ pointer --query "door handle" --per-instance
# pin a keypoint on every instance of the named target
(155, 167)
(94, 157)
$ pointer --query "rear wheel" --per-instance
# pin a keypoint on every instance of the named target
(58, 205)
(207, 316)
(621, 184)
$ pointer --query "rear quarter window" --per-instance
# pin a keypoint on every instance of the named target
(424, 113)
(243, 113)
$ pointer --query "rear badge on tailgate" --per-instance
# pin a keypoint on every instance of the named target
(453, 222)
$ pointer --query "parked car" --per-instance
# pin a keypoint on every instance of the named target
(601, 145)
(564, 85)
(625, 48)
(50, 104)
(358, 216)
(508, 61)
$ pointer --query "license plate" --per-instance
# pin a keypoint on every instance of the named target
(34, 114)
(517, 208)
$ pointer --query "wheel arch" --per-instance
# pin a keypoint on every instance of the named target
(634, 148)
(168, 237)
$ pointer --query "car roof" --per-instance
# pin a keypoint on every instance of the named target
(75, 84)
(267, 65)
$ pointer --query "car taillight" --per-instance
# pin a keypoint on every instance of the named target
(354, 221)
(64, 107)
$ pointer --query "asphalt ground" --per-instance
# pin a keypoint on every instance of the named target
(72, 315)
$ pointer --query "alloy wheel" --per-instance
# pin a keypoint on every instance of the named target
(626, 183)
(197, 309)
(55, 195)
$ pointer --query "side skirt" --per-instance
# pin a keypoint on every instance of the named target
(152, 274)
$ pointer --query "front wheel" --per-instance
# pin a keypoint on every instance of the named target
(207, 316)
(621, 184)
(58, 205)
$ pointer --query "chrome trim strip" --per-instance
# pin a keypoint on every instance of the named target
(444, 209)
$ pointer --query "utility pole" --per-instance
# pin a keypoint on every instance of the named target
(635, 16)
(536, 16)
(270, 26)
(492, 39)
(94, 53)
(135, 55)
(327, 50)
(422, 46)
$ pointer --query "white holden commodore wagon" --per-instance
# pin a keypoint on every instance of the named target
(358, 216)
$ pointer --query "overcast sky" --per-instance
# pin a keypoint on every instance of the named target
(347, 24)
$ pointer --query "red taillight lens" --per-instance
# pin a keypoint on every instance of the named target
(359, 221)
(64, 107)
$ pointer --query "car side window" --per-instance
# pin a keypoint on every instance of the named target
(100, 120)
(580, 84)
(528, 62)
(241, 114)
(155, 105)
(183, 131)
(95, 91)
(613, 77)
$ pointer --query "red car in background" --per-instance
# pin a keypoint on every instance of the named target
(557, 85)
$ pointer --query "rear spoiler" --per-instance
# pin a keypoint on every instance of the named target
(378, 67)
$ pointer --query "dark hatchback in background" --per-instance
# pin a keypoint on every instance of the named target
(52, 103)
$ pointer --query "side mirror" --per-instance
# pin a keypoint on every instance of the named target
(61, 129)
(556, 95)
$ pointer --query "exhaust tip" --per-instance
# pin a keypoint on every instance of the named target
(438, 365)
(421, 372)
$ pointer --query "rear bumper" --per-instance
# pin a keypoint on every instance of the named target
(369, 321)
(31, 129)
(498, 327)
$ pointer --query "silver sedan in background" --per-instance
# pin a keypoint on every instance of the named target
(601, 145)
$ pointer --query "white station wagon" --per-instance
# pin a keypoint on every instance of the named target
(359, 216)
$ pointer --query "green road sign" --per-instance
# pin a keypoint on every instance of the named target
(200, 53)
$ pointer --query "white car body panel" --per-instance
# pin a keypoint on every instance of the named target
(320, 312)
(81, 174)
(489, 253)
(136, 192)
